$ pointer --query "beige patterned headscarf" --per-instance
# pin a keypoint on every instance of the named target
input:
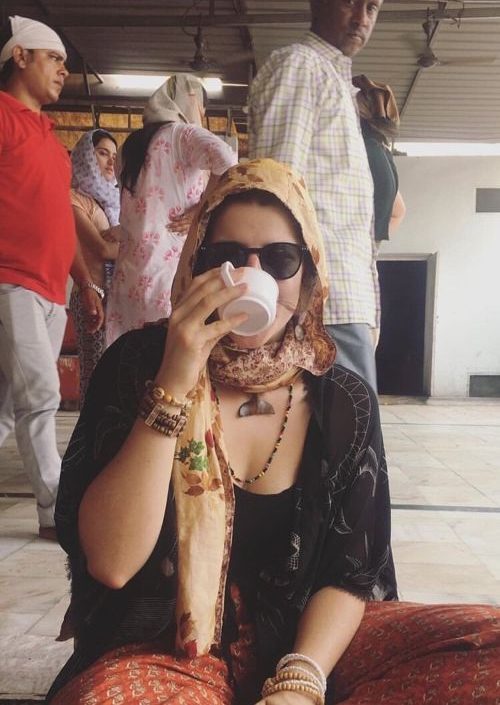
(203, 487)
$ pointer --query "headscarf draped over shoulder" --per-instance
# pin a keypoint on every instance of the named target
(87, 178)
(203, 489)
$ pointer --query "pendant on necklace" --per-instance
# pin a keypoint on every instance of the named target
(255, 406)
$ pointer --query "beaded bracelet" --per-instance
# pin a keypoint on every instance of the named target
(294, 687)
(299, 673)
(157, 393)
(305, 659)
(272, 683)
(168, 424)
(156, 414)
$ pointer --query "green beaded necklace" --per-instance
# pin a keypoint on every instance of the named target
(276, 445)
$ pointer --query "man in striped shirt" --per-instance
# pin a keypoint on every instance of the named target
(302, 112)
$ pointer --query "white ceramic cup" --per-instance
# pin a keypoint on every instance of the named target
(258, 302)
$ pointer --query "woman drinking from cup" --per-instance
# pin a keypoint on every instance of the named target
(224, 500)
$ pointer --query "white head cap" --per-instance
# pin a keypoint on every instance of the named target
(30, 34)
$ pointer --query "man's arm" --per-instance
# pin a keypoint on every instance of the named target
(284, 111)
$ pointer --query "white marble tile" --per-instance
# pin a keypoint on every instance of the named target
(30, 594)
(456, 495)
(404, 528)
(5, 503)
(387, 415)
(16, 623)
(459, 495)
(437, 598)
(15, 484)
(432, 476)
(29, 664)
(486, 481)
(9, 545)
(405, 493)
(50, 623)
(481, 534)
(494, 496)
(434, 552)
(24, 508)
(396, 439)
(460, 460)
(35, 562)
(414, 458)
(452, 579)
(444, 438)
(492, 563)
(21, 528)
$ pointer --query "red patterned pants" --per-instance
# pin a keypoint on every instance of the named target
(402, 654)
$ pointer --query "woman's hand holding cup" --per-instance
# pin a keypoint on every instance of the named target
(190, 337)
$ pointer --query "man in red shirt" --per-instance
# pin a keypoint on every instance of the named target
(37, 253)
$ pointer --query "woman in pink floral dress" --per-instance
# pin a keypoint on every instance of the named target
(166, 168)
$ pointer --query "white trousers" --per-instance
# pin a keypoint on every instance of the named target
(31, 335)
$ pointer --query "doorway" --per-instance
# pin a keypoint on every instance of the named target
(403, 352)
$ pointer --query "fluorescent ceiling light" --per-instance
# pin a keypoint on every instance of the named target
(134, 82)
(147, 83)
(449, 149)
(213, 85)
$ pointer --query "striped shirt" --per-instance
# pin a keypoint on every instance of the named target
(302, 112)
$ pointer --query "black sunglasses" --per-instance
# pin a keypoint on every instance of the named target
(281, 260)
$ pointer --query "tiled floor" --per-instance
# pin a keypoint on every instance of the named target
(444, 465)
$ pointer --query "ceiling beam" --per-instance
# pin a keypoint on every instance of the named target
(245, 34)
(420, 71)
(114, 101)
(75, 20)
(47, 15)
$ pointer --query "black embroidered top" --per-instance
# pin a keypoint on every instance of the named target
(340, 527)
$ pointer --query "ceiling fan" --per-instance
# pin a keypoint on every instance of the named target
(427, 59)
(203, 62)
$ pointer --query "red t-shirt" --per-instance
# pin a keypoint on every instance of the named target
(37, 228)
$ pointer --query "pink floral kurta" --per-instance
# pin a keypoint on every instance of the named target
(179, 160)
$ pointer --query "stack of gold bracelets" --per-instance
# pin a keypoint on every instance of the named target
(154, 409)
(293, 677)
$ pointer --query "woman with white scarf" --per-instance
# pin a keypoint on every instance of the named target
(95, 199)
(166, 166)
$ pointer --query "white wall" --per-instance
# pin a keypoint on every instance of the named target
(440, 197)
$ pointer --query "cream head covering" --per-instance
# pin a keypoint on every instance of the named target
(179, 99)
(30, 34)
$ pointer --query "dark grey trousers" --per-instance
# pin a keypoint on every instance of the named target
(355, 349)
